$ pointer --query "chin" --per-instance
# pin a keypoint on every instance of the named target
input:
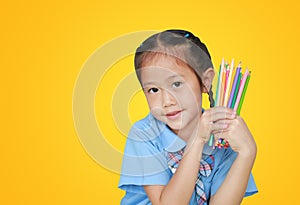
(175, 126)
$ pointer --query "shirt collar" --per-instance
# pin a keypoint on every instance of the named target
(169, 140)
(172, 142)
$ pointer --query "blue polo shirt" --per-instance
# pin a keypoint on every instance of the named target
(145, 162)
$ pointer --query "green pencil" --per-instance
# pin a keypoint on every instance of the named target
(211, 140)
(218, 85)
(243, 94)
(236, 90)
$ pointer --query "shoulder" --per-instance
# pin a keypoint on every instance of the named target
(145, 137)
(146, 129)
(143, 154)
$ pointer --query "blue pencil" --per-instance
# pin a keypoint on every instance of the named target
(236, 76)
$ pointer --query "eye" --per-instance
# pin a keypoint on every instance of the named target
(176, 84)
(153, 90)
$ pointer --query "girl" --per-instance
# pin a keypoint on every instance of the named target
(167, 159)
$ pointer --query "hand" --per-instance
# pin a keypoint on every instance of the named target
(211, 122)
(238, 135)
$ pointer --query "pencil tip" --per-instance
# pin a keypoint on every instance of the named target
(239, 65)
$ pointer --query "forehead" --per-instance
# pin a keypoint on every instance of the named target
(159, 66)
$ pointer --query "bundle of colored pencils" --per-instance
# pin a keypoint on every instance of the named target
(230, 92)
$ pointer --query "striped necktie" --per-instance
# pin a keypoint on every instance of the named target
(205, 170)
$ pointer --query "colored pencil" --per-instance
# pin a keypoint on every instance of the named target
(222, 86)
(218, 93)
(218, 85)
(228, 84)
(236, 90)
(243, 94)
(241, 89)
(230, 92)
(211, 140)
(236, 76)
(225, 83)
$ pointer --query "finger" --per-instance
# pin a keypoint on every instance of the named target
(219, 135)
(220, 112)
(222, 109)
(218, 127)
(222, 116)
(225, 121)
(219, 109)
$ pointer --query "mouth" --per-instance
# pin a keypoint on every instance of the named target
(173, 115)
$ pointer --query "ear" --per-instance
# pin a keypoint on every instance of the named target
(207, 79)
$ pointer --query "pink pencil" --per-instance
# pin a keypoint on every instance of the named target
(241, 90)
(228, 84)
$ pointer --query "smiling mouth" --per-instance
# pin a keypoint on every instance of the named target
(173, 115)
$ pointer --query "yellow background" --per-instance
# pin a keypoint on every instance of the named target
(45, 43)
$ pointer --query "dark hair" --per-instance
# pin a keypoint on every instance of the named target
(180, 44)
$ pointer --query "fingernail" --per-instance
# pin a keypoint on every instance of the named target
(224, 126)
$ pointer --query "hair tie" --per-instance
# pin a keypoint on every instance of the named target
(187, 35)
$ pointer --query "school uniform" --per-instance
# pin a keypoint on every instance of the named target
(145, 162)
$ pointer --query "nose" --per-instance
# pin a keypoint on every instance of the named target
(167, 99)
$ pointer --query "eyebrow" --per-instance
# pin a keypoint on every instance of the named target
(170, 77)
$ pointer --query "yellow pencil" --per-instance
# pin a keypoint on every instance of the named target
(223, 85)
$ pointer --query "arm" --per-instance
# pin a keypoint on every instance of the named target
(181, 186)
(234, 186)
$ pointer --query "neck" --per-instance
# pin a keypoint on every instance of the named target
(186, 132)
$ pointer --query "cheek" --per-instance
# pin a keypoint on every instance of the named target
(151, 101)
(191, 97)
(154, 104)
(155, 109)
(156, 112)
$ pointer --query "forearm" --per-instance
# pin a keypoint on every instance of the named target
(233, 188)
(181, 186)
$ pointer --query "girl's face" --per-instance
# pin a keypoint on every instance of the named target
(173, 92)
